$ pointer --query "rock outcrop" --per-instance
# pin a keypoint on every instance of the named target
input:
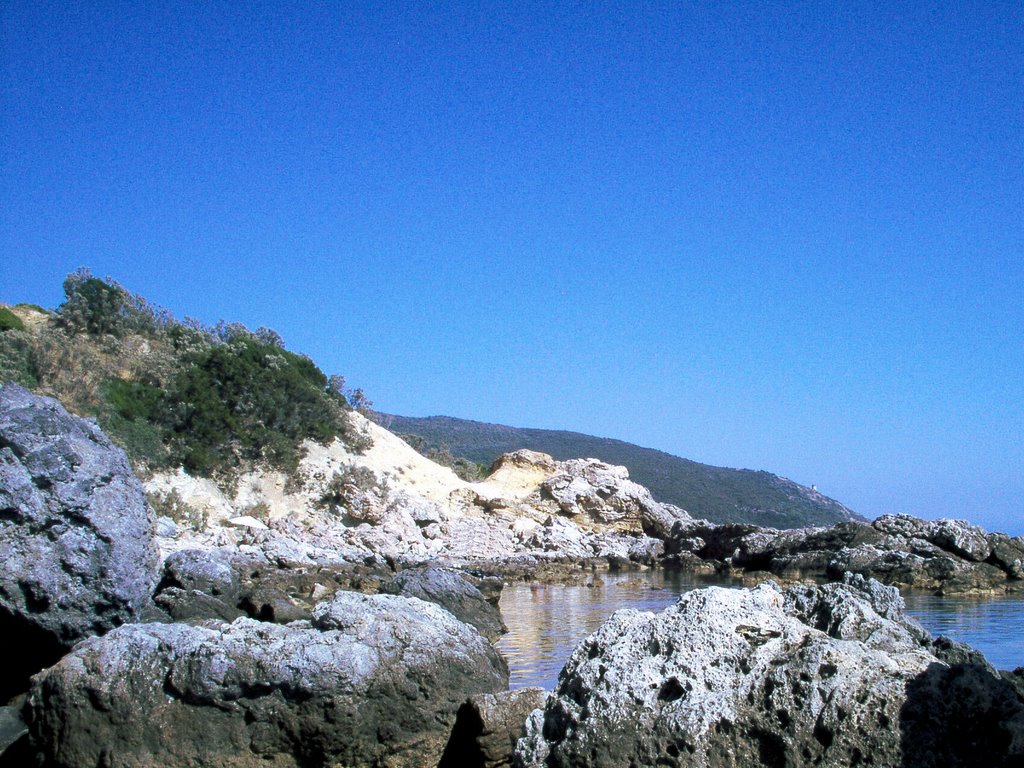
(948, 556)
(359, 509)
(76, 536)
(533, 510)
(372, 680)
(830, 675)
(598, 495)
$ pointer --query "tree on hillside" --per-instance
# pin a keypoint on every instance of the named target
(104, 307)
(92, 305)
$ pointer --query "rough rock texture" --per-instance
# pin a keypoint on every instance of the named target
(413, 516)
(488, 726)
(201, 570)
(198, 584)
(373, 680)
(599, 493)
(453, 592)
(833, 675)
(946, 556)
(76, 536)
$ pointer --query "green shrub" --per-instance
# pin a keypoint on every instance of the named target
(141, 440)
(10, 321)
(215, 400)
(247, 401)
(18, 361)
(104, 307)
(92, 305)
(133, 400)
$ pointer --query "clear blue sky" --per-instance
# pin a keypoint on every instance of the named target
(786, 236)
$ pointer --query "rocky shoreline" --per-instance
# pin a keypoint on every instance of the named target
(358, 630)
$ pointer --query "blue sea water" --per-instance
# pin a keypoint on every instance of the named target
(546, 621)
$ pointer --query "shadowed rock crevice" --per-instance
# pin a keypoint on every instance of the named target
(488, 726)
(32, 648)
(463, 749)
(962, 714)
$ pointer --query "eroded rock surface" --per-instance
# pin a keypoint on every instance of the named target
(76, 536)
(372, 680)
(359, 509)
(830, 675)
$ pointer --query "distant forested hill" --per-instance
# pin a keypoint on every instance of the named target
(716, 493)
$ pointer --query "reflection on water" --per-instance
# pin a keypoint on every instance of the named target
(546, 621)
(993, 625)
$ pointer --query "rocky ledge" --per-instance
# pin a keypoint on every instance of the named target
(828, 675)
(944, 556)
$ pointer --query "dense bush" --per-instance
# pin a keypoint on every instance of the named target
(92, 306)
(131, 416)
(103, 307)
(247, 400)
(10, 321)
(134, 400)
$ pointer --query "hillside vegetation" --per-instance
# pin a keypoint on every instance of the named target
(214, 400)
(716, 493)
(220, 400)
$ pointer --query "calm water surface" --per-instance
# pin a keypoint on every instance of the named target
(546, 621)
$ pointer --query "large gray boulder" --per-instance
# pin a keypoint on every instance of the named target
(453, 592)
(373, 680)
(832, 675)
(76, 536)
(202, 570)
(198, 584)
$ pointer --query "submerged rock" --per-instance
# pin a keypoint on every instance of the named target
(829, 675)
(76, 536)
(373, 680)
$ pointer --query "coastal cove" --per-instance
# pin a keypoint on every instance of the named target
(547, 620)
(371, 587)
